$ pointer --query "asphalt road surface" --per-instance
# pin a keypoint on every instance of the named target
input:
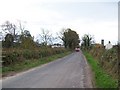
(71, 71)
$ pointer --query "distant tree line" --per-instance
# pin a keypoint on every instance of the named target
(17, 36)
(13, 38)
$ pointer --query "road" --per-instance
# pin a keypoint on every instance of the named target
(71, 71)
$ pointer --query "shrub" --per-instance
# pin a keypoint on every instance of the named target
(13, 55)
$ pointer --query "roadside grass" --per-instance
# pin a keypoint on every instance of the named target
(28, 64)
(102, 79)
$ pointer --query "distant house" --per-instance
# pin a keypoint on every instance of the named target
(108, 46)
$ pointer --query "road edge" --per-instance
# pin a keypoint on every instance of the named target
(32, 69)
(88, 71)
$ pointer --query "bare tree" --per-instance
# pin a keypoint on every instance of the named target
(23, 31)
(21, 26)
(9, 27)
(61, 34)
(46, 37)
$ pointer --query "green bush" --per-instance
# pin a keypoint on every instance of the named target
(10, 57)
(13, 56)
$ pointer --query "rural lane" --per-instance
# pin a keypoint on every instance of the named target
(71, 71)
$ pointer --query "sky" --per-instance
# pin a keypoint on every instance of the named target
(98, 18)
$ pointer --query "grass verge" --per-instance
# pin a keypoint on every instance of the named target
(102, 79)
(28, 64)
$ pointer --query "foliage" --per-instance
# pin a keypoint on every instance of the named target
(8, 41)
(70, 39)
(13, 39)
(46, 37)
(87, 41)
(9, 27)
(27, 43)
(27, 64)
(26, 33)
(102, 79)
(13, 56)
(107, 58)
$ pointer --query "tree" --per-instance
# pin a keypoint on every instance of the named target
(70, 39)
(26, 33)
(23, 32)
(87, 41)
(9, 28)
(27, 41)
(45, 37)
(21, 26)
(8, 40)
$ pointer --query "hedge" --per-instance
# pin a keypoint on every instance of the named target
(13, 56)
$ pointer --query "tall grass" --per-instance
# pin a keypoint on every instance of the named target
(107, 59)
(102, 79)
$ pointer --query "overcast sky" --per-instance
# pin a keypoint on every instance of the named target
(95, 17)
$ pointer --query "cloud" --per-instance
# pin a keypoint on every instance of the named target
(55, 16)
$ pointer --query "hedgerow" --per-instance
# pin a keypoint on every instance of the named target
(12, 56)
(107, 59)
